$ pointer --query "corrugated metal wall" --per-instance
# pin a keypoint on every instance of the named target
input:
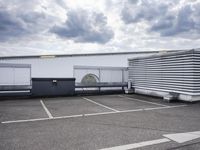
(171, 72)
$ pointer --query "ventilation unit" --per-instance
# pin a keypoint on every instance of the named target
(169, 75)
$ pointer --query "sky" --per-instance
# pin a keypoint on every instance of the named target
(42, 27)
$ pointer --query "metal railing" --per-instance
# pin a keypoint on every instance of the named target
(101, 84)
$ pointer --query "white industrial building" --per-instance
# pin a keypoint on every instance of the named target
(63, 66)
(107, 69)
(77, 65)
(166, 73)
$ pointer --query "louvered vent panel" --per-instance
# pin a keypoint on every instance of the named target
(171, 72)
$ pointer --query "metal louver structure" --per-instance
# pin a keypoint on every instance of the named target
(167, 73)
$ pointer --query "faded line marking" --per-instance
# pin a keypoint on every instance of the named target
(158, 104)
(154, 108)
(27, 120)
(138, 145)
(87, 99)
(46, 109)
(92, 114)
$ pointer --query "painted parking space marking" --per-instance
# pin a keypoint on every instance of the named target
(87, 99)
(138, 145)
(93, 114)
(176, 137)
(46, 109)
(26, 120)
(183, 137)
(139, 100)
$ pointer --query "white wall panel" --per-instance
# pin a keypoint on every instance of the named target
(63, 66)
(14, 74)
(111, 76)
(104, 74)
(22, 76)
(6, 76)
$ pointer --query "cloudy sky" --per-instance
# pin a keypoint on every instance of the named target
(36, 27)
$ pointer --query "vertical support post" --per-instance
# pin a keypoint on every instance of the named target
(123, 75)
(99, 78)
(123, 79)
(13, 69)
(129, 84)
(99, 74)
(31, 78)
(73, 72)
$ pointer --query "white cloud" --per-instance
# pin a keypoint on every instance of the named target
(84, 27)
(170, 18)
(136, 25)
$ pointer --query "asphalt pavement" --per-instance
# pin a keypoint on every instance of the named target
(97, 122)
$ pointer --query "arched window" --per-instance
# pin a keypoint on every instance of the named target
(89, 79)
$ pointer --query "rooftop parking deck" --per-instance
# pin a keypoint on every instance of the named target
(96, 122)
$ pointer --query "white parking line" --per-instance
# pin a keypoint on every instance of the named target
(158, 104)
(176, 137)
(93, 114)
(26, 120)
(138, 145)
(45, 108)
(87, 99)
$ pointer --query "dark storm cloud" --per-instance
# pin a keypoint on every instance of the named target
(186, 21)
(18, 20)
(84, 26)
(14, 25)
(135, 11)
(162, 19)
(10, 26)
